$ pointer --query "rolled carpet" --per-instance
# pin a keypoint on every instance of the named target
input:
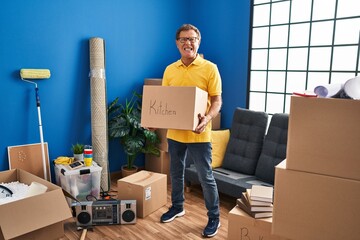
(99, 126)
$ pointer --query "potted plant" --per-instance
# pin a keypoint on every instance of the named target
(78, 151)
(124, 124)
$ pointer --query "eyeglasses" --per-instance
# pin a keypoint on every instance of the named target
(185, 39)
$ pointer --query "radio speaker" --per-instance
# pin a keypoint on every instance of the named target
(84, 215)
(127, 211)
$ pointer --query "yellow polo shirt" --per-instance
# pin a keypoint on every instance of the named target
(200, 73)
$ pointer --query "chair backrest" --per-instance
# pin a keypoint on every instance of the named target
(246, 139)
(274, 147)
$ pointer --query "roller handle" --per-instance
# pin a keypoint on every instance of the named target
(37, 97)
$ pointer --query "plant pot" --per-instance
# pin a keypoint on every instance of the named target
(127, 172)
(79, 157)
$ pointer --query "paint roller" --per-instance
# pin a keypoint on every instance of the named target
(39, 74)
(34, 73)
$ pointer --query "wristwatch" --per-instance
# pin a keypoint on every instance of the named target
(5, 192)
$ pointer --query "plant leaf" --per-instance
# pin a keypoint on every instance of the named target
(124, 123)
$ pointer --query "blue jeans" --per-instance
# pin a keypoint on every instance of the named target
(200, 153)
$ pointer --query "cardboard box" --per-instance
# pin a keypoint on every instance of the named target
(172, 107)
(163, 145)
(323, 136)
(241, 226)
(159, 164)
(313, 206)
(81, 182)
(37, 217)
(149, 189)
(153, 81)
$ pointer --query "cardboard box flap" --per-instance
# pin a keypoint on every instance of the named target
(9, 175)
(32, 213)
(142, 177)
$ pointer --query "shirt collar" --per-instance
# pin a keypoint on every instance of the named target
(198, 60)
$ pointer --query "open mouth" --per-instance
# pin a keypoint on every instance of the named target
(188, 49)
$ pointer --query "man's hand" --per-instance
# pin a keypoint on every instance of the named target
(216, 103)
(203, 122)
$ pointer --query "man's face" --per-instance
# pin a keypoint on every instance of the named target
(188, 44)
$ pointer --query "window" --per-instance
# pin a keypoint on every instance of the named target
(297, 45)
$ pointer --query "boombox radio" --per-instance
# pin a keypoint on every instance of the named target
(105, 212)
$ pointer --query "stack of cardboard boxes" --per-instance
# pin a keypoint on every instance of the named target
(161, 164)
(317, 188)
(158, 164)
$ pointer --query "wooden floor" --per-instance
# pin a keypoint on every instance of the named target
(188, 227)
